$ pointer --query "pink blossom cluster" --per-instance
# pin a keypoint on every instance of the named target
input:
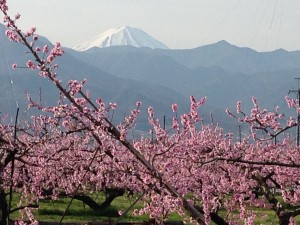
(29, 39)
(75, 86)
(188, 159)
(56, 51)
(191, 159)
(270, 122)
(3, 6)
(13, 36)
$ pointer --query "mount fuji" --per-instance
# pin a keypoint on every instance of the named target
(120, 37)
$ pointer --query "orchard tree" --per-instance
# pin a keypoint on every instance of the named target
(223, 173)
(271, 158)
(238, 176)
(39, 157)
(190, 159)
(94, 119)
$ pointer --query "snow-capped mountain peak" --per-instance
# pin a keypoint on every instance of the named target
(121, 36)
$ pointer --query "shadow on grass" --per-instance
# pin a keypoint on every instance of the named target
(57, 201)
(109, 212)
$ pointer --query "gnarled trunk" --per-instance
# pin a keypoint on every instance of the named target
(3, 208)
(284, 219)
(110, 195)
(214, 217)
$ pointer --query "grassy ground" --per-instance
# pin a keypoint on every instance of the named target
(50, 210)
(53, 210)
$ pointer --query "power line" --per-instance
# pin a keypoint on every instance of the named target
(298, 114)
(10, 76)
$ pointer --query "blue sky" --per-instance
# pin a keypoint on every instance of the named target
(260, 24)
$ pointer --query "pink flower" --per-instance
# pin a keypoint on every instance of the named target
(292, 221)
(45, 49)
(174, 107)
(175, 124)
(113, 106)
(192, 98)
(254, 101)
(12, 35)
(122, 135)
(238, 107)
(50, 58)
(138, 104)
(99, 101)
(202, 101)
(240, 120)
(43, 73)
(30, 64)
(14, 66)
(32, 29)
(17, 16)
(3, 6)
(150, 111)
(57, 45)
(291, 102)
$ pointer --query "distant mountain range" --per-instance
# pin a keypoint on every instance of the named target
(159, 77)
(120, 37)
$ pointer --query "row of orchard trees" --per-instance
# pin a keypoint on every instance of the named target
(75, 148)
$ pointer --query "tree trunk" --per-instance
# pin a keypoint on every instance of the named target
(110, 193)
(3, 208)
(214, 216)
(284, 219)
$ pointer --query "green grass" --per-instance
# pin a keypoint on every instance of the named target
(52, 210)
(263, 216)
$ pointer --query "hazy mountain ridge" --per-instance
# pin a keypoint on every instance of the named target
(124, 92)
(157, 77)
(222, 71)
(235, 59)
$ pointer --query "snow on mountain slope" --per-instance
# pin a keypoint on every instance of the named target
(122, 36)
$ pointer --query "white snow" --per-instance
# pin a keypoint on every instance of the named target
(122, 36)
